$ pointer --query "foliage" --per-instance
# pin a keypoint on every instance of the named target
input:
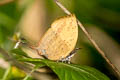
(70, 71)
(103, 13)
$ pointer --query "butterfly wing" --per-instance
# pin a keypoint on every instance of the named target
(60, 39)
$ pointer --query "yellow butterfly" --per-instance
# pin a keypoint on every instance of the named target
(60, 39)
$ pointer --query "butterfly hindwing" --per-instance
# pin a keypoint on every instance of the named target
(60, 39)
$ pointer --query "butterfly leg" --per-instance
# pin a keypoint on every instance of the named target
(68, 58)
(65, 60)
(17, 44)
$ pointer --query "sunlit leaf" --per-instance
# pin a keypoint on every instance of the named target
(71, 71)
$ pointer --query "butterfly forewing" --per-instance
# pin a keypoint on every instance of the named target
(60, 39)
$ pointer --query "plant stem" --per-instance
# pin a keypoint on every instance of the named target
(26, 78)
(7, 73)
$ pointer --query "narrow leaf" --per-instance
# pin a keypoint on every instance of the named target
(19, 51)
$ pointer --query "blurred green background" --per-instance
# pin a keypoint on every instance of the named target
(100, 17)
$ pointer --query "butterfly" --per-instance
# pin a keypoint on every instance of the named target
(60, 39)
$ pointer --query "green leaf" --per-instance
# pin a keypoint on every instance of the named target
(71, 71)
(19, 52)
